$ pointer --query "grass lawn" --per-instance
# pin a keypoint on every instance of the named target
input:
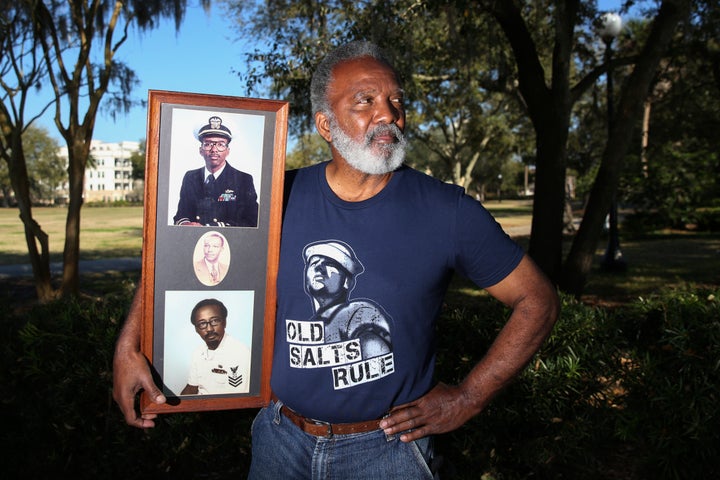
(511, 213)
(105, 232)
(657, 262)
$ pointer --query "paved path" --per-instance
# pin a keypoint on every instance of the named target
(518, 231)
(123, 264)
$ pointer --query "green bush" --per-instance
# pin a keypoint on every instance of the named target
(59, 417)
(671, 409)
(640, 223)
(677, 185)
(555, 420)
(708, 219)
(626, 393)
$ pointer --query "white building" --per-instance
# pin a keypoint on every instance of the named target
(108, 177)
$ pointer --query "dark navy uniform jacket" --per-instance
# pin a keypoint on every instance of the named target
(231, 203)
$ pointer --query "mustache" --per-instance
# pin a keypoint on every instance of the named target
(384, 129)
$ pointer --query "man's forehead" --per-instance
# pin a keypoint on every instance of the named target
(214, 138)
(208, 311)
(363, 71)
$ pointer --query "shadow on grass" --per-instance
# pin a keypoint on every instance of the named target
(654, 263)
(500, 213)
(657, 262)
(18, 294)
(86, 254)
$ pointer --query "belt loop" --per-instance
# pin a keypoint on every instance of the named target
(276, 411)
(329, 429)
(389, 437)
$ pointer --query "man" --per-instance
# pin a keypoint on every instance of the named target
(375, 419)
(209, 269)
(217, 194)
(222, 364)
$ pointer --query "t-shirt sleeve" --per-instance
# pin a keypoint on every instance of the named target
(485, 253)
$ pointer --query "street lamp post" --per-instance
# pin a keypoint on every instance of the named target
(499, 191)
(610, 27)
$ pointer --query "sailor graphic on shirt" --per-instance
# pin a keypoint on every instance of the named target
(351, 336)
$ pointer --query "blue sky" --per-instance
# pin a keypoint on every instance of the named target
(200, 58)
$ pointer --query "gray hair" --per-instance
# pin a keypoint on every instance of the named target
(323, 73)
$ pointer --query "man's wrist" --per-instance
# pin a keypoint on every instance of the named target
(128, 340)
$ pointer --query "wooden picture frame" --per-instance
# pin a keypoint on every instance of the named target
(185, 131)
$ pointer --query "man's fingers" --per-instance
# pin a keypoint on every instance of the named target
(414, 435)
(401, 419)
(125, 398)
(154, 393)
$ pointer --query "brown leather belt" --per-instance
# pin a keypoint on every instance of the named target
(324, 429)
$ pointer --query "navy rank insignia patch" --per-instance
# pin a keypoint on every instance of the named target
(234, 379)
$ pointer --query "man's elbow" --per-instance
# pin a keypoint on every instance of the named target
(549, 305)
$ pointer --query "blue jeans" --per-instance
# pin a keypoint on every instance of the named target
(281, 450)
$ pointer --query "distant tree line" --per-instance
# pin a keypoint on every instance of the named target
(495, 83)
(495, 88)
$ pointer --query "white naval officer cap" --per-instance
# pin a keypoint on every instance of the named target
(335, 250)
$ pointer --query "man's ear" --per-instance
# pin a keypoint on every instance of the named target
(322, 124)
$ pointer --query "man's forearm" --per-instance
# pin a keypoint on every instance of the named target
(129, 337)
(514, 347)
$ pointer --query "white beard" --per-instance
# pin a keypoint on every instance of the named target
(360, 155)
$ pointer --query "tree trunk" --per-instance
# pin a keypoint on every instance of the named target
(71, 251)
(549, 110)
(580, 258)
(549, 199)
(34, 235)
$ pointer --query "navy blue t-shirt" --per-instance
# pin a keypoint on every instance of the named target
(361, 284)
